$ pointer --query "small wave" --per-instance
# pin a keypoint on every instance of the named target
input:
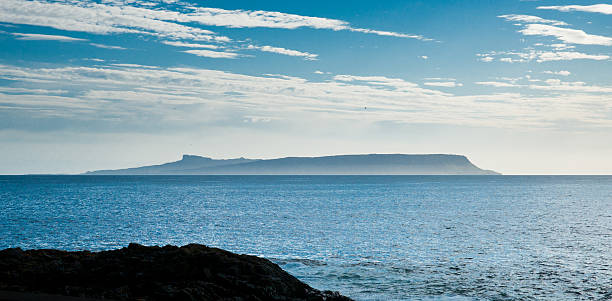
(304, 261)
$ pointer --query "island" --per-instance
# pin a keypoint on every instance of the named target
(369, 164)
(189, 273)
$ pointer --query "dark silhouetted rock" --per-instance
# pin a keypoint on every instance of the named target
(191, 272)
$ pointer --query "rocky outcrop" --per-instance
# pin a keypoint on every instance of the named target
(191, 272)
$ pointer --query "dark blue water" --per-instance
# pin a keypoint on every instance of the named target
(370, 237)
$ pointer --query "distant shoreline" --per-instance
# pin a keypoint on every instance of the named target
(313, 175)
(366, 164)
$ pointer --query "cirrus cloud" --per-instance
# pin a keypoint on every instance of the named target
(284, 51)
(178, 97)
(539, 56)
(562, 72)
(449, 84)
(99, 18)
(124, 17)
(569, 56)
(595, 8)
(213, 54)
(45, 37)
(497, 84)
(567, 35)
(190, 45)
(530, 19)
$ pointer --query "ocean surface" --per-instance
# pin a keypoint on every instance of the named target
(369, 237)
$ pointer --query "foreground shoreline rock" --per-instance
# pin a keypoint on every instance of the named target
(191, 272)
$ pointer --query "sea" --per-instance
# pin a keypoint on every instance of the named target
(368, 237)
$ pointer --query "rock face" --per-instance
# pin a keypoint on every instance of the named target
(191, 272)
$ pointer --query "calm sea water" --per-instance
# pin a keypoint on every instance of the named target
(370, 237)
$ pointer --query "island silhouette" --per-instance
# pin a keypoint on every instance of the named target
(367, 164)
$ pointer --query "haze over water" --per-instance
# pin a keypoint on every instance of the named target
(370, 237)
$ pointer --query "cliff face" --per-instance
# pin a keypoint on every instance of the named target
(373, 164)
(192, 272)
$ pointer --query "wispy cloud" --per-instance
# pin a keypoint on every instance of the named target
(284, 51)
(137, 95)
(558, 85)
(135, 66)
(562, 72)
(213, 54)
(270, 19)
(568, 56)
(536, 26)
(440, 79)
(101, 18)
(567, 35)
(449, 84)
(596, 8)
(30, 91)
(390, 34)
(561, 46)
(45, 37)
(107, 46)
(539, 56)
(552, 84)
(190, 45)
(497, 84)
(383, 81)
(531, 19)
(92, 17)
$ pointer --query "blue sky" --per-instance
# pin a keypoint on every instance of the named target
(517, 86)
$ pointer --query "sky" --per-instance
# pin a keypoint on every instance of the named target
(520, 87)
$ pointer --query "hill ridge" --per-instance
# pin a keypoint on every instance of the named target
(348, 164)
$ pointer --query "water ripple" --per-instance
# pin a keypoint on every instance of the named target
(372, 238)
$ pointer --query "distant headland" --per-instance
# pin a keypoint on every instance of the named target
(370, 164)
